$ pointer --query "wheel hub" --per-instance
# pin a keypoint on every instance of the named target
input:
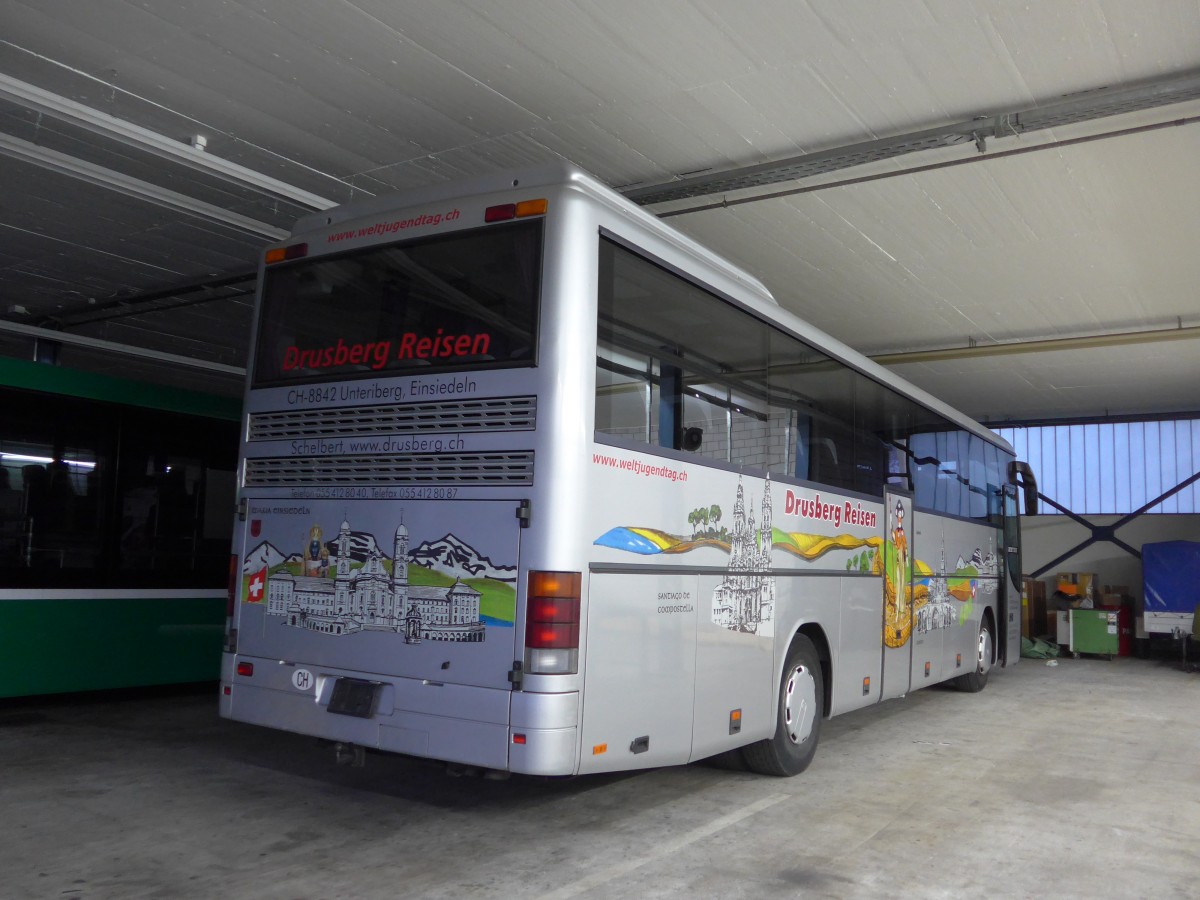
(985, 650)
(799, 705)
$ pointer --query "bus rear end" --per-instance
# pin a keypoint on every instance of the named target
(378, 588)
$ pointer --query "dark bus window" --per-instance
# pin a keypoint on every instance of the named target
(681, 368)
(101, 495)
(461, 300)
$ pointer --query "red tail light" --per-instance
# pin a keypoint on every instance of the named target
(507, 211)
(552, 635)
(245, 668)
(552, 623)
(500, 213)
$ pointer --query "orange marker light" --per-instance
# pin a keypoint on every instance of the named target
(599, 748)
(531, 208)
(555, 584)
(279, 254)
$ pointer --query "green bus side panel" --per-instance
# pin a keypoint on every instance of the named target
(94, 386)
(56, 646)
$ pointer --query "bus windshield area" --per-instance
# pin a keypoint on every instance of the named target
(464, 300)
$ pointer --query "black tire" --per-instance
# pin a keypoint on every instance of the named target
(976, 681)
(798, 716)
(730, 761)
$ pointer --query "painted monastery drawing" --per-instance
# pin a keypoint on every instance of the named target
(746, 598)
(941, 610)
(371, 599)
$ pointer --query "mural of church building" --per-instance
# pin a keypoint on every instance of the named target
(371, 599)
(940, 609)
(746, 598)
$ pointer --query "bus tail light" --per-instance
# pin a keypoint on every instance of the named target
(281, 254)
(552, 623)
(506, 211)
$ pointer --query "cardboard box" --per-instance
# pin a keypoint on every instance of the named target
(1081, 586)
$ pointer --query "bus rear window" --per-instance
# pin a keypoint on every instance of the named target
(467, 300)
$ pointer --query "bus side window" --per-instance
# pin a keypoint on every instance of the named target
(707, 419)
(803, 462)
(758, 439)
(622, 397)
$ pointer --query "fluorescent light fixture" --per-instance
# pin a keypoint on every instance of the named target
(25, 458)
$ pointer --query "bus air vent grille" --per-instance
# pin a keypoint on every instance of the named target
(491, 469)
(490, 414)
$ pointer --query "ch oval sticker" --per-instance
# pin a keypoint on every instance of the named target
(302, 680)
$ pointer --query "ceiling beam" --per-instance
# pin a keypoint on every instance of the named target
(1083, 107)
(78, 340)
(1050, 345)
(132, 187)
(726, 203)
(145, 140)
(151, 301)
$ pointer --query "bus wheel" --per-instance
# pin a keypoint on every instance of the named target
(974, 682)
(798, 726)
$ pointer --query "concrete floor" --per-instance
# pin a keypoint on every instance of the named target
(1076, 780)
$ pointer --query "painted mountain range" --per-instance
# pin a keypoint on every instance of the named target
(449, 555)
(452, 556)
(264, 556)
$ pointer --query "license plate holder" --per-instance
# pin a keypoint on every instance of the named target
(353, 697)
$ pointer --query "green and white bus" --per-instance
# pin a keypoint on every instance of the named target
(115, 500)
(532, 482)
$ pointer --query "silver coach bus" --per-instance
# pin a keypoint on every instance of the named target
(531, 482)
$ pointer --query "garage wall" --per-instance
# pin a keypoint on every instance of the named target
(1045, 538)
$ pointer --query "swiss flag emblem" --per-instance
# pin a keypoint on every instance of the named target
(258, 587)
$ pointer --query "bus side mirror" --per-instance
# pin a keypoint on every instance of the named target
(1021, 475)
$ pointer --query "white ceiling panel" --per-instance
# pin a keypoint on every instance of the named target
(1059, 240)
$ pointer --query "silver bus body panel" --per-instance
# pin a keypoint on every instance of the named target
(410, 715)
(964, 582)
(673, 677)
(545, 729)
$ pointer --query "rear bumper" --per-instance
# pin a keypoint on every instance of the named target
(452, 722)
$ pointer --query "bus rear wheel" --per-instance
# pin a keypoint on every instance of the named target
(798, 718)
(974, 682)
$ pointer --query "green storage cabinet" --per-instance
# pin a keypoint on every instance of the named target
(1095, 631)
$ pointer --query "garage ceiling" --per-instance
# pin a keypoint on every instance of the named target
(149, 149)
